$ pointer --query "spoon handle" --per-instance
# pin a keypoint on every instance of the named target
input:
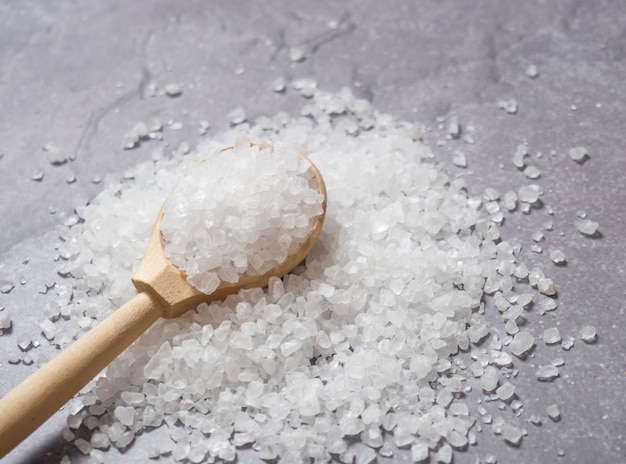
(39, 396)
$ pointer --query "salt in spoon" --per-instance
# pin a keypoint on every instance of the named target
(163, 291)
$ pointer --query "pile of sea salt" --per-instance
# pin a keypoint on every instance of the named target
(358, 342)
(239, 212)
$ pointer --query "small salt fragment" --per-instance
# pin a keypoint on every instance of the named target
(96, 179)
(130, 141)
(553, 412)
(489, 379)
(587, 227)
(24, 342)
(297, 54)
(532, 172)
(444, 455)
(279, 85)
(14, 358)
(538, 236)
(459, 160)
(547, 373)
(557, 257)
(491, 459)
(510, 200)
(567, 344)
(551, 336)
(70, 178)
(546, 286)
(510, 106)
(518, 157)
(522, 343)
(588, 334)
(83, 445)
(511, 434)
(535, 420)
(532, 71)
(419, 452)
(5, 320)
(529, 194)
(65, 460)
(173, 90)
(125, 414)
(454, 127)
(506, 391)
(67, 434)
(6, 286)
(578, 154)
(236, 116)
(37, 175)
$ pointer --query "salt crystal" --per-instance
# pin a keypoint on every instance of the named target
(518, 157)
(297, 54)
(532, 71)
(553, 412)
(419, 452)
(547, 373)
(236, 116)
(454, 127)
(557, 257)
(489, 379)
(125, 414)
(83, 445)
(578, 154)
(587, 227)
(459, 160)
(512, 434)
(173, 90)
(37, 175)
(522, 343)
(551, 336)
(510, 106)
(100, 440)
(588, 334)
(279, 85)
(506, 391)
(5, 320)
(532, 172)
(490, 459)
(444, 455)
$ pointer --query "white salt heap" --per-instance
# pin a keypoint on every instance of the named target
(240, 212)
(359, 342)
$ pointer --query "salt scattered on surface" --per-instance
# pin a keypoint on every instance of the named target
(552, 335)
(588, 334)
(5, 320)
(532, 71)
(236, 116)
(297, 54)
(547, 373)
(522, 343)
(395, 287)
(579, 154)
(553, 412)
(557, 257)
(173, 90)
(587, 227)
(510, 106)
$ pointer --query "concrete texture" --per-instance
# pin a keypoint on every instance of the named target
(75, 74)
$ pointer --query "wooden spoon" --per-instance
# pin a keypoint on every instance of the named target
(163, 292)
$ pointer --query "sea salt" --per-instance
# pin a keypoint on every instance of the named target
(510, 106)
(578, 154)
(257, 207)
(587, 227)
(553, 412)
(588, 334)
(547, 373)
(551, 336)
(356, 344)
(522, 343)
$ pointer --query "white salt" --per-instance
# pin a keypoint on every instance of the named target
(547, 373)
(557, 257)
(510, 106)
(522, 343)
(588, 334)
(532, 71)
(5, 320)
(125, 414)
(532, 172)
(553, 412)
(578, 154)
(419, 452)
(279, 85)
(173, 90)
(551, 336)
(506, 391)
(297, 54)
(512, 434)
(587, 227)
(236, 116)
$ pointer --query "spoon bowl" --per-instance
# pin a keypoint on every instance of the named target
(163, 291)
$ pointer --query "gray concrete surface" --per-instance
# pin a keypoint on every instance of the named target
(74, 74)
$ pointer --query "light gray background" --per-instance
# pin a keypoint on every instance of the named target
(74, 74)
